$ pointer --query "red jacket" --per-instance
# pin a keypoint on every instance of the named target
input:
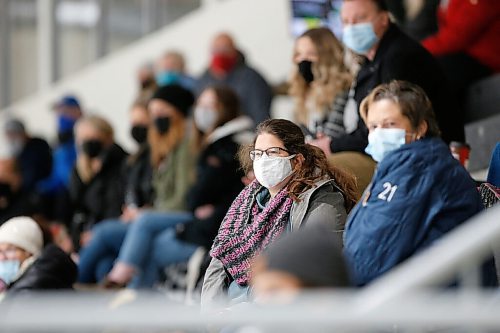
(469, 26)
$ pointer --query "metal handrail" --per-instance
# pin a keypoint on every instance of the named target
(460, 252)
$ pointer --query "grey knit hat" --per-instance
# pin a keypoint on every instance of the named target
(313, 255)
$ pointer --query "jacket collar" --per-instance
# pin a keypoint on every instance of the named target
(235, 126)
(385, 43)
(299, 209)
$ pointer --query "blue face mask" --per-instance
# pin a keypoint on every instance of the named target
(9, 270)
(65, 124)
(167, 77)
(359, 37)
(382, 141)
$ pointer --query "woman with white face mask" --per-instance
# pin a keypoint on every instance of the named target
(294, 187)
(419, 191)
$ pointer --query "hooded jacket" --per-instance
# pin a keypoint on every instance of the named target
(217, 161)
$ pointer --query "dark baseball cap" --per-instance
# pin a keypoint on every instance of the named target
(67, 101)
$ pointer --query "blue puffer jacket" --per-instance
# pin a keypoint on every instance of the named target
(418, 193)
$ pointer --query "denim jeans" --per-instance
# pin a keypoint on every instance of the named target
(150, 245)
(167, 250)
(97, 258)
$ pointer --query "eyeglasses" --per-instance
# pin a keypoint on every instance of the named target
(270, 152)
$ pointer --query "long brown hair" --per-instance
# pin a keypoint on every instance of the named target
(314, 167)
(331, 75)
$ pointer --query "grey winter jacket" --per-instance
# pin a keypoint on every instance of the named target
(323, 203)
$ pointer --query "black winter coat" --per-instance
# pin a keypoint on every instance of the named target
(54, 269)
(35, 162)
(399, 57)
(103, 196)
(138, 174)
(218, 182)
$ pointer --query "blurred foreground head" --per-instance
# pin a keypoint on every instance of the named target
(310, 258)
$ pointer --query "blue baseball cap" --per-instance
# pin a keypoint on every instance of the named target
(68, 101)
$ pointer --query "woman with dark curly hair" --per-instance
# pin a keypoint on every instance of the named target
(294, 186)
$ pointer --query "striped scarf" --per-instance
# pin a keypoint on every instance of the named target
(245, 231)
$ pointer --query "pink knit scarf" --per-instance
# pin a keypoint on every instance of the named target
(245, 231)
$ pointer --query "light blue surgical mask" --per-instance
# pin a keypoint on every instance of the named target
(9, 270)
(167, 77)
(359, 37)
(382, 141)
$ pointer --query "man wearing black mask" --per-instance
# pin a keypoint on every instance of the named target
(96, 186)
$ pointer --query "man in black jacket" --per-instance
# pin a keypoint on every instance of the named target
(389, 55)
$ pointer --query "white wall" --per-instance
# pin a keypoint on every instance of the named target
(107, 87)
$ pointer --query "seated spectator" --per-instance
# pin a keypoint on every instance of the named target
(218, 130)
(146, 77)
(419, 191)
(14, 200)
(171, 69)
(97, 258)
(308, 259)
(96, 186)
(227, 67)
(321, 85)
(139, 190)
(33, 155)
(494, 169)
(294, 187)
(54, 188)
(389, 55)
(467, 43)
(25, 264)
(172, 162)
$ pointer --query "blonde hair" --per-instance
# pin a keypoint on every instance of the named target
(331, 75)
(100, 124)
(411, 100)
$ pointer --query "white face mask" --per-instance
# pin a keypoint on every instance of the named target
(205, 118)
(270, 171)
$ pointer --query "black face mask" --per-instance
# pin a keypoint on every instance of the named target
(5, 190)
(162, 124)
(65, 137)
(92, 148)
(305, 69)
(139, 133)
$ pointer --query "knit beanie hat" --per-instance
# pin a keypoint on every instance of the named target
(24, 233)
(313, 255)
(174, 94)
